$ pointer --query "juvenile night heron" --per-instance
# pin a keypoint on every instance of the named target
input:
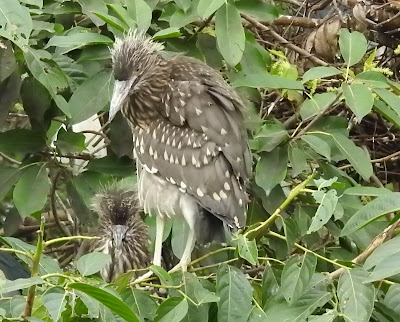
(190, 145)
(123, 235)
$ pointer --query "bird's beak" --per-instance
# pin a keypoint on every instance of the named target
(119, 96)
(118, 234)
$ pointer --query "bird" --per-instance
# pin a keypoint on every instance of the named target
(190, 141)
(123, 234)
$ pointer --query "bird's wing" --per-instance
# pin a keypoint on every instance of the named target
(200, 145)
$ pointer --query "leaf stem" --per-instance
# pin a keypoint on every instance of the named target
(63, 239)
(211, 254)
(15, 251)
(254, 232)
(35, 270)
(306, 250)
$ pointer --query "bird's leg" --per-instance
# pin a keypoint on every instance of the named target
(160, 221)
(159, 239)
(187, 253)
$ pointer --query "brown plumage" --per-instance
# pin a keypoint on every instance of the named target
(190, 141)
(123, 235)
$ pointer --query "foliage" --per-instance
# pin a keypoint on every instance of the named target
(320, 208)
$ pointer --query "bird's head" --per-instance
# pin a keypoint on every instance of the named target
(134, 58)
(118, 211)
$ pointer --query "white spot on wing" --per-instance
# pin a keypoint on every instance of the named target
(227, 186)
(199, 192)
(216, 197)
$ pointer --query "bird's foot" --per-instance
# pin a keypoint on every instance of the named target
(183, 264)
(143, 277)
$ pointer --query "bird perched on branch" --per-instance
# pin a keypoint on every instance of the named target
(123, 235)
(191, 145)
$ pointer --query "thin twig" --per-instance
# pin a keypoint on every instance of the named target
(283, 41)
(385, 235)
(60, 226)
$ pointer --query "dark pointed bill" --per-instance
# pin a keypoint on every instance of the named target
(118, 234)
(119, 96)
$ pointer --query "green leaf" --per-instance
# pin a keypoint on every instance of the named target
(162, 274)
(257, 315)
(374, 210)
(70, 142)
(8, 63)
(140, 11)
(91, 6)
(50, 75)
(173, 309)
(36, 101)
(266, 80)
(356, 299)
(298, 159)
(258, 9)
(248, 249)
(195, 290)
(112, 165)
(112, 21)
(353, 46)
(21, 141)
(270, 286)
(392, 298)
(20, 284)
(390, 99)
(367, 191)
(26, 199)
(235, 294)
(92, 263)
(372, 78)
(171, 32)
(385, 259)
(359, 158)
(15, 22)
(92, 305)
(316, 104)
(8, 177)
(206, 8)
(359, 98)
(318, 145)
(327, 317)
(387, 112)
(290, 228)
(108, 300)
(299, 311)
(327, 205)
(55, 301)
(230, 34)
(74, 41)
(90, 97)
(270, 136)
(123, 14)
(324, 183)
(297, 275)
(277, 160)
(140, 302)
(320, 72)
